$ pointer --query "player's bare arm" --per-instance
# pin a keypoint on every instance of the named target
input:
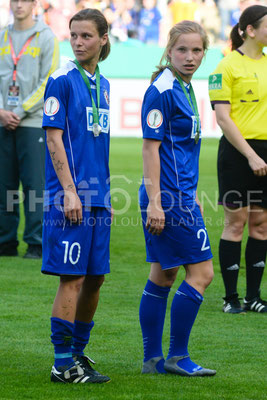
(151, 163)
(72, 203)
(234, 136)
(200, 205)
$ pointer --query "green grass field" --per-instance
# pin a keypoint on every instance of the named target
(235, 345)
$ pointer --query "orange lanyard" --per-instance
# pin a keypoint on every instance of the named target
(17, 58)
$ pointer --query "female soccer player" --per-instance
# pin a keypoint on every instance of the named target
(238, 93)
(77, 220)
(174, 229)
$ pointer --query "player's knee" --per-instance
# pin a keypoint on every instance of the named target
(258, 231)
(71, 283)
(94, 282)
(238, 228)
(99, 281)
(235, 228)
(208, 277)
(169, 278)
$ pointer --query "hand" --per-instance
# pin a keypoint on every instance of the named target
(9, 119)
(73, 206)
(155, 219)
(258, 165)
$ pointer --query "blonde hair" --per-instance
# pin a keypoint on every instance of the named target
(177, 30)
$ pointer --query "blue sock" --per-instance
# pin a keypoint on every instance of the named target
(61, 338)
(184, 309)
(81, 335)
(152, 315)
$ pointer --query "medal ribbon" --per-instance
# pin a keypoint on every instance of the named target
(193, 103)
(17, 58)
(87, 82)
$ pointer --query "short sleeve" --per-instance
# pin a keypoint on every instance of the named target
(55, 103)
(220, 84)
(156, 111)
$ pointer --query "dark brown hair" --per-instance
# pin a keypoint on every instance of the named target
(176, 31)
(91, 14)
(251, 16)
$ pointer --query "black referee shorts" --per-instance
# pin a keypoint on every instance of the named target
(238, 186)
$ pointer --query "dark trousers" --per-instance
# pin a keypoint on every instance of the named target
(22, 159)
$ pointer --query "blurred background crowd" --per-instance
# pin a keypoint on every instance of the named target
(142, 21)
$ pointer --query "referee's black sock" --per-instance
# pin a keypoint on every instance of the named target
(229, 256)
(255, 263)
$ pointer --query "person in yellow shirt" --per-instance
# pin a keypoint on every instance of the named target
(183, 10)
(238, 93)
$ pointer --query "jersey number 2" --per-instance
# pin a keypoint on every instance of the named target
(199, 234)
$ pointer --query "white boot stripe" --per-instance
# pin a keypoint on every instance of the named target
(256, 305)
(253, 305)
(77, 380)
(85, 379)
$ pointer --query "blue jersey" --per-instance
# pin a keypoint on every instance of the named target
(149, 25)
(168, 117)
(68, 106)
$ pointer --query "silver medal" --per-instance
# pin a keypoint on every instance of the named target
(96, 129)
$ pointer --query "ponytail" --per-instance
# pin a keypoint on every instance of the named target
(105, 51)
(252, 15)
(236, 38)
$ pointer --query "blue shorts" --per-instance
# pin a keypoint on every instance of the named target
(184, 239)
(72, 249)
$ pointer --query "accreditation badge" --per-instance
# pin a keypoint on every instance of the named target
(13, 96)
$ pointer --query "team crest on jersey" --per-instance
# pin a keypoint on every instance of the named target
(154, 119)
(51, 106)
(106, 97)
(215, 82)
